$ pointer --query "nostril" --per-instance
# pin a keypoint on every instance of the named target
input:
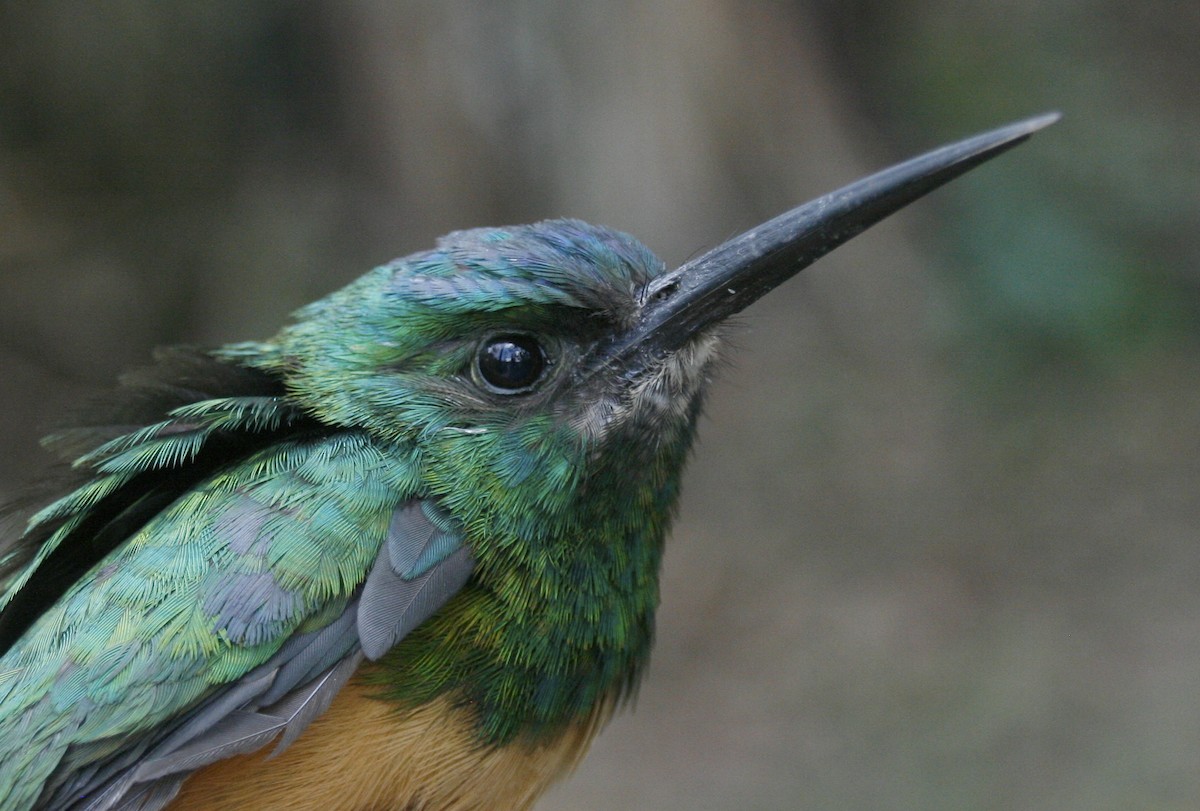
(665, 292)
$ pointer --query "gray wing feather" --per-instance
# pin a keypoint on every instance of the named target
(408, 534)
(425, 565)
(238, 732)
(114, 777)
(153, 796)
(319, 651)
(392, 606)
(302, 707)
(218, 709)
(146, 797)
(246, 730)
(421, 536)
(421, 565)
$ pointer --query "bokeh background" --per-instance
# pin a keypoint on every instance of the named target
(938, 545)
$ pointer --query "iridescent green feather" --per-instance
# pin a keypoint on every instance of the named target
(563, 498)
(180, 609)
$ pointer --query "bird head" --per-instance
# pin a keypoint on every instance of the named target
(535, 353)
(542, 383)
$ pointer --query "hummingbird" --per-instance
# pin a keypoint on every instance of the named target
(405, 553)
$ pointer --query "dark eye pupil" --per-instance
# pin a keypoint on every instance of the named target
(511, 362)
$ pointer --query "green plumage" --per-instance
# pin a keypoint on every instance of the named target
(561, 614)
(461, 466)
(562, 495)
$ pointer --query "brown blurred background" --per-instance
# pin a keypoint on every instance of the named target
(938, 546)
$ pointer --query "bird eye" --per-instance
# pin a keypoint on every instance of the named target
(510, 364)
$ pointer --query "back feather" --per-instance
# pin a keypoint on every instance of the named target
(164, 429)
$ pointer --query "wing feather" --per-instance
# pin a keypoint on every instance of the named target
(217, 569)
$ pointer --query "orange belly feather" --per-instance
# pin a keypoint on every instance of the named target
(361, 755)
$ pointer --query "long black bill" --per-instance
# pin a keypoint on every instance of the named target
(737, 273)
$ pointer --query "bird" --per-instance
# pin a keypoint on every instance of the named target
(405, 553)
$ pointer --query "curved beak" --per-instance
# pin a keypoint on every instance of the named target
(733, 275)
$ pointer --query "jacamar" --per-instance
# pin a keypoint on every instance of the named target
(403, 555)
